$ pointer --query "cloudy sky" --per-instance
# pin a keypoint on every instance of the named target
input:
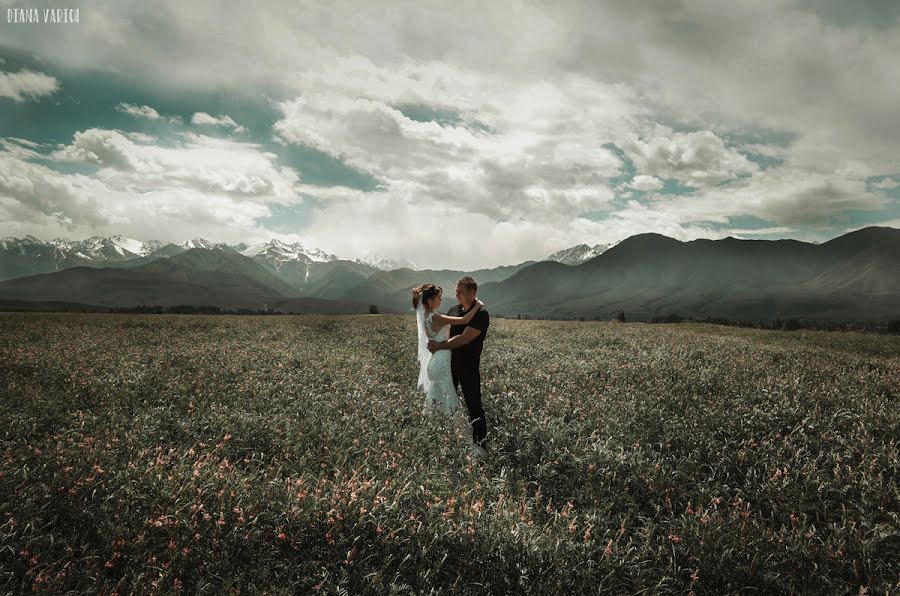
(453, 134)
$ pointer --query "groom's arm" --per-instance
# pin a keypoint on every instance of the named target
(457, 341)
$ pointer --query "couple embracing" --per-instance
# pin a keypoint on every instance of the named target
(450, 354)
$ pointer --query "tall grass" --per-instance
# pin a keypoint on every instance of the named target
(288, 455)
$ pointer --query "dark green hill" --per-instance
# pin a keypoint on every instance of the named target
(335, 279)
(217, 267)
(168, 250)
(393, 288)
(853, 277)
(197, 276)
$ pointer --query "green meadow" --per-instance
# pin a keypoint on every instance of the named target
(288, 454)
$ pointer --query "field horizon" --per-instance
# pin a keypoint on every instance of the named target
(211, 454)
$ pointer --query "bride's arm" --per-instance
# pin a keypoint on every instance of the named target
(440, 320)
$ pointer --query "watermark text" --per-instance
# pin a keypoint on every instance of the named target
(42, 15)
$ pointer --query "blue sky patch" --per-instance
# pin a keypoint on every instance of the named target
(290, 219)
(423, 113)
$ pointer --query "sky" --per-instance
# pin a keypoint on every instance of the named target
(451, 134)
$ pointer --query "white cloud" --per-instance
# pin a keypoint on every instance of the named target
(739, 233)
(352, 222)
(646, 183)
(202, 118)
(891, 223)
(26, 84)
(696, 159)
(748, 67)
(539, 158)
(138, 111)
(32, 192)
(784, 195)
(108, 148)
(141, 137)
(201, 186)
(770, 151)
(21, 148)
(887, 184)
(199, 162)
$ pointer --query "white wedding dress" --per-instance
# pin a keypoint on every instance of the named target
(440, 394)
(435, 377)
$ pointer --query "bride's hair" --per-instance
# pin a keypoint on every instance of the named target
(424, 293)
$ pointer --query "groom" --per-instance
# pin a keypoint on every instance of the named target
(466, 342)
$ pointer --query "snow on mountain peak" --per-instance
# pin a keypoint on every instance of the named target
(118, 248)
(387, 263)
(130, 244)
(198, 243)
(579, 253)
(95, 248)
(282, 251)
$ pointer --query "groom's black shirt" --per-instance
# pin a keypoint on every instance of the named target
(471, 352)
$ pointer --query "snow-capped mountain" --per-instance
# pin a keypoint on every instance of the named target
(11, 243)
(579, 254)
(114, 247)
(202, 243)
(21, 257)
(93, 248)
(277, 251)
(386, 264)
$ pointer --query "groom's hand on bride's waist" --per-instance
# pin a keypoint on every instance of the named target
(457, 341)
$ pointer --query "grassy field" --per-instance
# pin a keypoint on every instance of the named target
(287, 454)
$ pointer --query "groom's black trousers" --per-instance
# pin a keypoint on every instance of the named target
(467, 373)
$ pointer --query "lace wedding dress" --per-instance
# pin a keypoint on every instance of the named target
(436, 378)
(440, 394)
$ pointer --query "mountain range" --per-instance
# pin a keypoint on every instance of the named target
(579, 254)
(853, 277)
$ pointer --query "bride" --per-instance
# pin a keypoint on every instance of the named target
(435, 378)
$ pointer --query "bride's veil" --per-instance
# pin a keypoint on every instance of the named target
(424, 354)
